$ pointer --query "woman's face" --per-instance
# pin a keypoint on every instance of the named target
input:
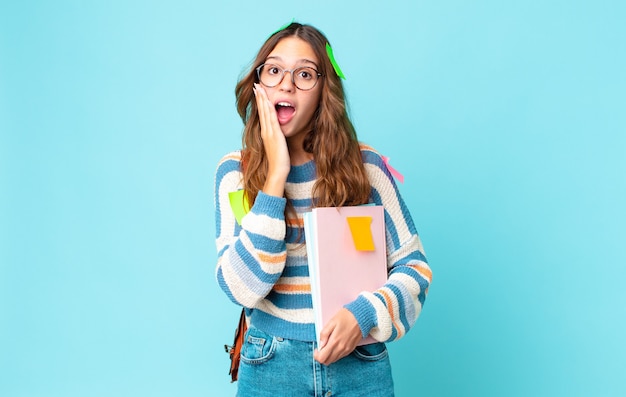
(294, 107)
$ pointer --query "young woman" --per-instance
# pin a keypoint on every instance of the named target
(300, 151)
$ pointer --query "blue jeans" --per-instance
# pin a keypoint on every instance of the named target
(278, 367)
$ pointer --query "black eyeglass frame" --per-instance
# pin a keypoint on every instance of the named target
(293, 80)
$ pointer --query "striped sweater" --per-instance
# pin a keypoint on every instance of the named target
(262, 265)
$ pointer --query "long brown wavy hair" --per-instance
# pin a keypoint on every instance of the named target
(341, 178)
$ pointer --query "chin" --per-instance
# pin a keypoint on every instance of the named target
(288, 131)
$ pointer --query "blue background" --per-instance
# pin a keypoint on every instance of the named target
(507, 119)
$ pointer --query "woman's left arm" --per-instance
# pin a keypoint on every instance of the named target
(389, 312)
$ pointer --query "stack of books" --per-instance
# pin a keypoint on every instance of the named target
(347, 255)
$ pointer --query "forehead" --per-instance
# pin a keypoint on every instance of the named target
(293, 50)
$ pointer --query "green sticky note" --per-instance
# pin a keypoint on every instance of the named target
(360, 227)
(284, 26)
(239, 204)
(331, 57)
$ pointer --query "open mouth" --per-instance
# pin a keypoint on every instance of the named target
(285, 112)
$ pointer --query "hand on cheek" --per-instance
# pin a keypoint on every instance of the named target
(274, 143)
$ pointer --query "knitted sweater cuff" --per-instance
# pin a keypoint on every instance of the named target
(365, 314)
(272, 206)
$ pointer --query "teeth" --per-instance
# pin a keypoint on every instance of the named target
(284, 104)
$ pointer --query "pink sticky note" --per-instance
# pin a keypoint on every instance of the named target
(393, 171)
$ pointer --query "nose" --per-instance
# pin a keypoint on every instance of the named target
(286, 84)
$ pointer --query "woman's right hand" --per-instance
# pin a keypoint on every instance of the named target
(274, 143)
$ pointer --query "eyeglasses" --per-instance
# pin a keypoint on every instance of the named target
(304, 78)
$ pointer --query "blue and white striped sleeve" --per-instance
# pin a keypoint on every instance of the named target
(250, 257)
(389, 312)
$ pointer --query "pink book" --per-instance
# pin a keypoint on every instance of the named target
(346, 255)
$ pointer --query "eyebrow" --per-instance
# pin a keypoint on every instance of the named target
(299, 61)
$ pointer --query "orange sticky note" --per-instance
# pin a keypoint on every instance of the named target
(360, 227)
(239, 204)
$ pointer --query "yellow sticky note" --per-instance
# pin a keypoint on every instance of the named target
(239, 204)
(360, 227)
